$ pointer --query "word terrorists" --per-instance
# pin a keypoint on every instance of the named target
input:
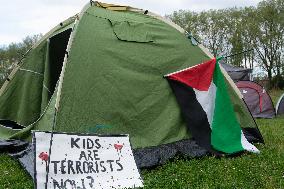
(88, 161)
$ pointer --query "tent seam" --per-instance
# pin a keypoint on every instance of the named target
(70, 41)
(31, 71)
(17, 65)
(44, 86)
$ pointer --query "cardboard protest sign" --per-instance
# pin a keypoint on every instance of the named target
(84, 162)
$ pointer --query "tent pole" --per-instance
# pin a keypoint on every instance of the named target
(56, 108)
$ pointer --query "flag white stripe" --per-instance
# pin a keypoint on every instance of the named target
(248, 146)
(207, 100)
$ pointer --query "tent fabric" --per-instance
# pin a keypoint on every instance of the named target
(111, 82)
(129, 83)
(237, 73)
(279, 108)
(257, 99)
(27, 94)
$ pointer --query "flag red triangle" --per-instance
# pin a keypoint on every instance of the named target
(198, 77)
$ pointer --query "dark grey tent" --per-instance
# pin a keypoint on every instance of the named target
(237, 73)
(280, 105)
(257, 99)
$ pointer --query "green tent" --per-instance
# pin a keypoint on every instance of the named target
(101, 71)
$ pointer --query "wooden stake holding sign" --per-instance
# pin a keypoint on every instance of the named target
(84, 162)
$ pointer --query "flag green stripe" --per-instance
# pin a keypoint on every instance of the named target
(226, 130)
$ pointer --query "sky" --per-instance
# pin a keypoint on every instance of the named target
(21, 18)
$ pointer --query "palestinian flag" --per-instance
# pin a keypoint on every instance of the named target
(205, 103)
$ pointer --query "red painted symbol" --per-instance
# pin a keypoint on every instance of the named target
(43, 156)
(118, 146)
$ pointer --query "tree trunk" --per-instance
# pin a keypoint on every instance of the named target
(269, 74)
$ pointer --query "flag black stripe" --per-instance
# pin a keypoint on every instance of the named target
(193, 113)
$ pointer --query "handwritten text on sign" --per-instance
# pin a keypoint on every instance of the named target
(85, 161)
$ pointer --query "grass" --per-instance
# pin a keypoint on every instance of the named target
(12, 175)
(275, 94)
(264, 170)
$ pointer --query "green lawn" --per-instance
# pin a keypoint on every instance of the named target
(275, 94)
(264, 170)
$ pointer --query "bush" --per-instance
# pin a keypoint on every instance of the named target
(277, 82)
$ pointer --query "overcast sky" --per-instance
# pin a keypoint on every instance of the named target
(20, 18)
